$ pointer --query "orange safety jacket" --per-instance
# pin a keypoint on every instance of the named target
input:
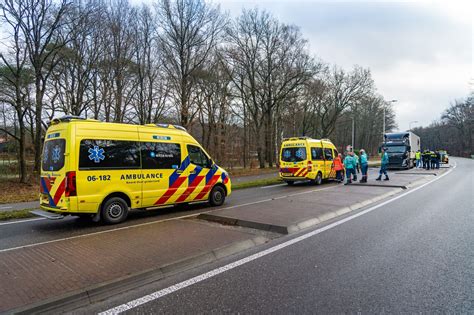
(337, 165)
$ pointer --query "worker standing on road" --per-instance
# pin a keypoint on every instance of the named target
(418, 159)
(427, 159)
(364, 165)
(433, 159)
(356, 157)
(338, 167)
(350, 164)
(383, 165)
(438, 159)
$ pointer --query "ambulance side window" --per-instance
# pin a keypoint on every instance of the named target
(198, 157)
(109, 154)
(158, 155)
(316, 154)
(328, 154)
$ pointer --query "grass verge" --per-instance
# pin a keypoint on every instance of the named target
(15, 214)
(14, 191)
(257, 183)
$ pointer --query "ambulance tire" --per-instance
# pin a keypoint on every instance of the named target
(114, 210)
(318, 180)
(217, 196)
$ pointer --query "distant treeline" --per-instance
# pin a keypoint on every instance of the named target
(454, 131)
(238, 84)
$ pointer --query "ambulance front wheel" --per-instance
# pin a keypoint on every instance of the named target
(114, 210)
(217, 196)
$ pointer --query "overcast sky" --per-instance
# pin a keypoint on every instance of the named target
(420, 53)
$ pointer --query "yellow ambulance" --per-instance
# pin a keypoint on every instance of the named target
(101, 170)
(303, 158)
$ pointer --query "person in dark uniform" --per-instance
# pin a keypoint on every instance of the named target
(433, 160)
(438, 159)
(428, 159)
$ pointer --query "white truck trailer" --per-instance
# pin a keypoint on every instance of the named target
(401, 149)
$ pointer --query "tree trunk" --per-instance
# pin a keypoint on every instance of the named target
(268, 139)
(38, 132)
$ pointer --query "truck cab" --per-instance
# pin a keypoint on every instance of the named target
(401, 148)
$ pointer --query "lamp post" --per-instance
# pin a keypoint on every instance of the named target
(383, 131)
(353, 133)
(411, 122)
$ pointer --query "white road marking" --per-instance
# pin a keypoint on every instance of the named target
(22, 221)
(270, 186)
(161, 293)
(148, 223)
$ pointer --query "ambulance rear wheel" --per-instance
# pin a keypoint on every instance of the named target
(217, 196)
(318, 180)
(114, 210)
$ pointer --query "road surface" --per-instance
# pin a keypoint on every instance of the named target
(414, 254)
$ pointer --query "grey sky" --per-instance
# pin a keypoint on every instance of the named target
(420, 53)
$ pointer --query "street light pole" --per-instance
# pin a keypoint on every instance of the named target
(383, 131)
(353, 135)
(411, 122)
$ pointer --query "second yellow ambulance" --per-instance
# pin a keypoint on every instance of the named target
(303, 158)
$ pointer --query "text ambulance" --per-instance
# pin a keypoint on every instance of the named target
(98, 169)
(304, 158)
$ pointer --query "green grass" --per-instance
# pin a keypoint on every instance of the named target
(15, 214)
(257, 183)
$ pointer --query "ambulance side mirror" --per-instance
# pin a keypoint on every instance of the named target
(210, 163)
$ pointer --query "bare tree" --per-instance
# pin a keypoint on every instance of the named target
(152, 90)
(213, 99)
(40, 23)
(72, 78)
(188, 30)
(269, 63)
(15, 77)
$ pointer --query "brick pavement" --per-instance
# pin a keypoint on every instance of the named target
(32, 274)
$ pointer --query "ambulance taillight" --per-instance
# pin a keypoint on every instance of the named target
(71, 189)
(310, 166)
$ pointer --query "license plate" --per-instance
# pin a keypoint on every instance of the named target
(287, 174)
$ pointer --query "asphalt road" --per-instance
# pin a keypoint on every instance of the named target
(414, 254)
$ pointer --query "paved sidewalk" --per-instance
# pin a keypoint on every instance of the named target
(301, 210)
(37, 273)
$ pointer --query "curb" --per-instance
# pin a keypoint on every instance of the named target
(244, 223)
(99, 292)
(296, 227)
(379, 185)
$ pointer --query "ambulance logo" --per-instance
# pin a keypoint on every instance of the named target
(96, 154)
(56, 154)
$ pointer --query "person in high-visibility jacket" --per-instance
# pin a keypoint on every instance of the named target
(339, 168)
(364, 165)
(418, 159)
(383, 165)
(350, 164)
